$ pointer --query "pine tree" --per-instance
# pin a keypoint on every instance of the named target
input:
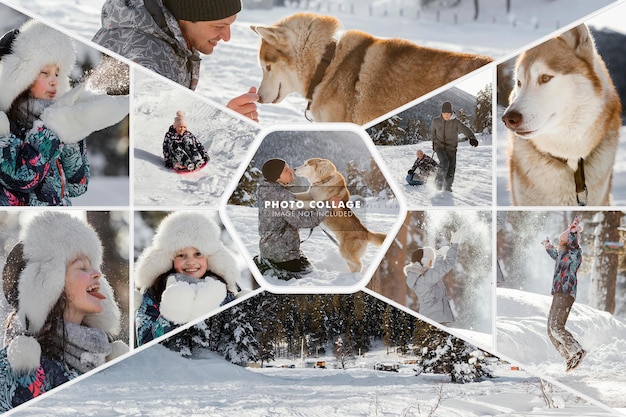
(245, 193)
(442, 353)
(482, 112)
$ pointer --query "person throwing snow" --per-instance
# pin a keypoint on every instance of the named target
(568, 257)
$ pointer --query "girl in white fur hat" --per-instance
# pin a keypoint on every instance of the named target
(65, 316)
(186, 273)
(43, 157)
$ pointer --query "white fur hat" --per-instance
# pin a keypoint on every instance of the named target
(178, 231)
(35, 46)
(424, 256)
(34, 279)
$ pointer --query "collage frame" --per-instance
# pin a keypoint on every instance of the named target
(496, 239)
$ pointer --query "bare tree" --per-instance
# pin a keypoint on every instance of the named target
(605, 262)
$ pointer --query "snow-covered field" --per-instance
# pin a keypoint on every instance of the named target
(521, 335)
(473, 183)
(225, 137)
(210, 386)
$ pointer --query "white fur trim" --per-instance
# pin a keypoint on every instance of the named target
(428, 257)
(118, 348)
(36, 46)
(24, 354)
(178, 231)
(109, 318)
(5, 126)
(51, 241)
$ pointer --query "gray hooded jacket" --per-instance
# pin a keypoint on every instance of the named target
(145, 32)
(429, 287)
(279, 237)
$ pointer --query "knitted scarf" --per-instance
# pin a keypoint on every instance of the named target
(85, 347)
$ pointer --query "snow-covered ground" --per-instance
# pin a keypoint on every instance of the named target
(521, 335)
(226, 138)
(210, 386)
(330, 272)
(473, 183)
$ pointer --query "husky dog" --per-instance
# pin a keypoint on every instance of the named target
(563, 120)
(355, 78)
(351, 234)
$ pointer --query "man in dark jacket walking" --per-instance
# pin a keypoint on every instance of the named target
(444, 132)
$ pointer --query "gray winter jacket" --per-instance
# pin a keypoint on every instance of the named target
(279, 237)
(429, 287)
(445, 133)
(144, 31)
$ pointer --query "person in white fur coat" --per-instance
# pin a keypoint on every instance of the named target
(186, 273)
(65, 316)
(43, 122)
(424, 275)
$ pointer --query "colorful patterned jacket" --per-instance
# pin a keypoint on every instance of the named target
(568, 259)
(40, 170)
(16, 389)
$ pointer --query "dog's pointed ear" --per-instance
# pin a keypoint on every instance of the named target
(270, 34)
(580, 40)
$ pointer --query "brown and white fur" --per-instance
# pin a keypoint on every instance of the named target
(563, 107)
(366, 77)
(352, 235)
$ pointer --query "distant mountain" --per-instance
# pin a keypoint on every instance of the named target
(431, 108)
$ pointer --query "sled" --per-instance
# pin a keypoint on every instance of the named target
(187, 171)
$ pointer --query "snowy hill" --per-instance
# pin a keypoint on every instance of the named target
(225, 137)
(521, 336)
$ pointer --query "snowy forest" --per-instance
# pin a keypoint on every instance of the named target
(268, 327)
(412, 125)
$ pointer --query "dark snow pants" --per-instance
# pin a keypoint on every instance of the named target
(560, 337)
(446, 169)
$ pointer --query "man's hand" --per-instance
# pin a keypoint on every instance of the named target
(245, 104)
